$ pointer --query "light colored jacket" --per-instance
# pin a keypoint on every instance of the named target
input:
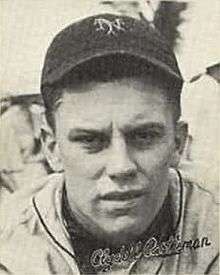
(36, 241)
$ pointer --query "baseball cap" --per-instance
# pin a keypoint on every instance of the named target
(105, 35)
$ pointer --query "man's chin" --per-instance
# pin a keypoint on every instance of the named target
(122, 230)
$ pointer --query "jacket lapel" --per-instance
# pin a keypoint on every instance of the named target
(47, 205)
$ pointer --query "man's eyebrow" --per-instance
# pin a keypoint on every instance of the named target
(126, 129)
(145, 126)
(88, 131)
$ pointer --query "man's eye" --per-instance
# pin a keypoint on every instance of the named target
(92, 143)
(143, 139)
(88, 139)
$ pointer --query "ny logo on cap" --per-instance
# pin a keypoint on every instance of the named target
(109, 27)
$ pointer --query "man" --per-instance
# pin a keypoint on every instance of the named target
(111, 88)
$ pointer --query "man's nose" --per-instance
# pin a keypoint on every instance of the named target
(120, 165)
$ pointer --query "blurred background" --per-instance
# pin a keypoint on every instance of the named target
(27, 27)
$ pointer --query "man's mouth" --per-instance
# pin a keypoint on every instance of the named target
(123, 196)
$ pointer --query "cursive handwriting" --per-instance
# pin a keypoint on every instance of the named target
(104, 259)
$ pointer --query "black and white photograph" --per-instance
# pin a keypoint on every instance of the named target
(109, 137)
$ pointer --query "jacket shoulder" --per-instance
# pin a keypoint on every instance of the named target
(24, 245)
(18, 209)
(200, 226)
(200, 208)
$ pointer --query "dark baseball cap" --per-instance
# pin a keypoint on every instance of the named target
(105, 35)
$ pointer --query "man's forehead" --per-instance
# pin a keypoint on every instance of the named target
(97, 125)
(113, 102)
(127, 92)
(147, 84)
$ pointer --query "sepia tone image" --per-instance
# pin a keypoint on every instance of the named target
(109, 137)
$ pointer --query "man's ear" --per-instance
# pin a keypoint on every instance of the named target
(51, 148)
(181, 133)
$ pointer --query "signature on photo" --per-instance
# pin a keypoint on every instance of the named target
(104, 259)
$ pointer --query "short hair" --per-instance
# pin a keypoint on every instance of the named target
(108, 68)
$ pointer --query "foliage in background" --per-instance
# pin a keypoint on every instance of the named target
(168, 18)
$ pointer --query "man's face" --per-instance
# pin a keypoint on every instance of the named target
(116, 141)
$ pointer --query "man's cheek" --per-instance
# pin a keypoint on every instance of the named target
(154, 159)
(70, 153)
(81, 166)
(163, 154)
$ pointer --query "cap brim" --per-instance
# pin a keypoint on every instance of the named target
(59, 74)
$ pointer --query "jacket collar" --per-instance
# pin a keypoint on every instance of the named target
(47, 205)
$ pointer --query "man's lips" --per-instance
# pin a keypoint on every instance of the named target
(123, 196)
